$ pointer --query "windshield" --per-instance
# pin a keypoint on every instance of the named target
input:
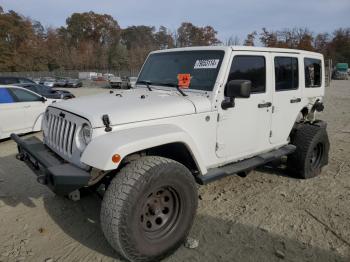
(43, 89)
(201, 66)
(40, 89)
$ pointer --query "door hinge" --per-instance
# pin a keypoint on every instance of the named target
(273, 109)
(271, 133)
(219, 146)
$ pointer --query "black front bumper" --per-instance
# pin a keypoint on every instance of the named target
(51, 170)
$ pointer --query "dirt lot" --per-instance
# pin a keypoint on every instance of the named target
(266, 216)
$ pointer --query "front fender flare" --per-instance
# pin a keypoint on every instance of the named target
(100, 150)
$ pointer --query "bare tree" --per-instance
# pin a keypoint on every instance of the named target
(250, 40)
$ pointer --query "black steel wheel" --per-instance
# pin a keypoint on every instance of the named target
(316, 156)
(160, 212)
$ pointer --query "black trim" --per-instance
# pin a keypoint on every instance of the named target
(244, 165)
(295, 100)
(265, 105)
(272, 52)
(69, 113)
(51, 170)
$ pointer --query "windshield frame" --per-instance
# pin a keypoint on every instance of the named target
(157, 85)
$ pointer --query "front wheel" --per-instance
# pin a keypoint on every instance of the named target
(311, 153)
(148, 209)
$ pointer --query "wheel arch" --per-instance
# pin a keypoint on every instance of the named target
(162, 140)
(177, 151)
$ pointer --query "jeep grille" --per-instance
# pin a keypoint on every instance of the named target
(60, 134)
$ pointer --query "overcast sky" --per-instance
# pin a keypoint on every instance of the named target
(228, 17)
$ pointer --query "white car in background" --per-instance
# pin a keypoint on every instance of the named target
(21, 110)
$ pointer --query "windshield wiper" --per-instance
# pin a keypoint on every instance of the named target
(172, 85)
(147, 83)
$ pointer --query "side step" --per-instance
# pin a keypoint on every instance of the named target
(244, 165)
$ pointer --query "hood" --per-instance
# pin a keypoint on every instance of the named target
(52, 95)
(135, 105)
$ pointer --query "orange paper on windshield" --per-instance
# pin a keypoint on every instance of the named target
(184, 80)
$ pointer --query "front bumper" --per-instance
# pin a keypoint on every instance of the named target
(51, 170)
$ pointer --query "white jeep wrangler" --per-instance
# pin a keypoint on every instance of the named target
(196, 115)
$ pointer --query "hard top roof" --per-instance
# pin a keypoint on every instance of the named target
(242, 48)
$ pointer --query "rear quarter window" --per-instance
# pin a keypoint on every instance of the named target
(5, 96)
(313, 72)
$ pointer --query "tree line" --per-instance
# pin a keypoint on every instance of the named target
(96, 41)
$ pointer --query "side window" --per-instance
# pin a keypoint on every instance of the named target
(286, 73)
(24, 96)
(251, 68)
(5, 96)
(313, 72)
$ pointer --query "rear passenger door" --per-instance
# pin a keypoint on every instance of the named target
(286, 96)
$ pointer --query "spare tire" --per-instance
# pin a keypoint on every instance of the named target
(312, 149)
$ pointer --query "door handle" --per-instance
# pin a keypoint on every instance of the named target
(295, 100)
(26, 106)
(267, 104)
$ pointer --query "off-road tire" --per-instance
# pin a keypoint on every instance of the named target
(126, 213)
(311, 154)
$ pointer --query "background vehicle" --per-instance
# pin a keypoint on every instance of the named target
(193, 117)
(36, 80)
(131, 82)
(47, 81)
(47, 91)
(88, 75)
(61, 82)
(74, 83)
(116, 82)
(21, 110)
(9, 80)
(341, 71)
(108, 76)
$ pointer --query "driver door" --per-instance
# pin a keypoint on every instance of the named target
(244, 129)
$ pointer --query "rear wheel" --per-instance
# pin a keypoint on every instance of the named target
(312, 151)
(149, 207)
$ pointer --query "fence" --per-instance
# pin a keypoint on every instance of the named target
(68, 73)
(328, 70)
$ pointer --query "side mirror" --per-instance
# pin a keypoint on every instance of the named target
(43, 99)
(236, 89)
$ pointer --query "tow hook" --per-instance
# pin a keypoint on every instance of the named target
(75, 195)
(21, 156)
(42, 180)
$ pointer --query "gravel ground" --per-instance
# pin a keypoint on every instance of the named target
(266, 216)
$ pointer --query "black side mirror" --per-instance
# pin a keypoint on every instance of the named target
(236, 89)
(43, 99)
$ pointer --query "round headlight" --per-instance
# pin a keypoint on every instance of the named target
(86, 133)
